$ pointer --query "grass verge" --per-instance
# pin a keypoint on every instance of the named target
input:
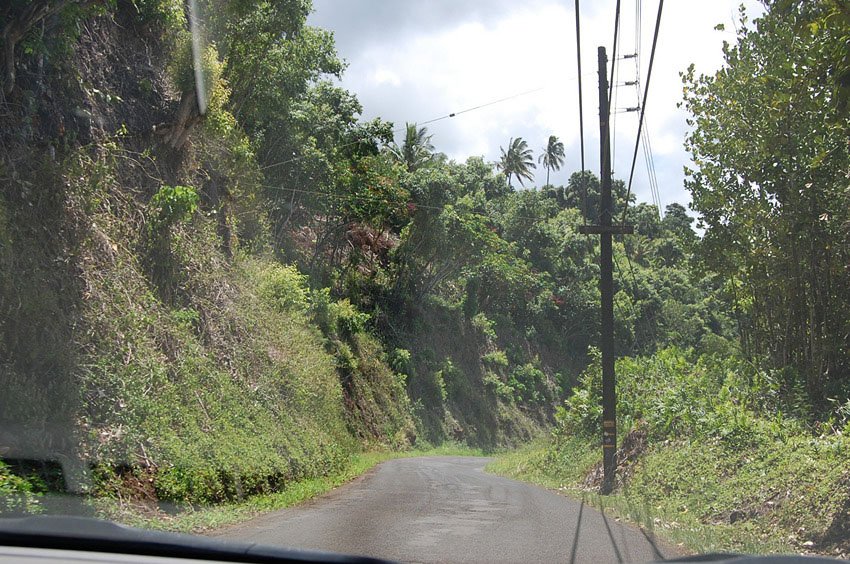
(774, 496)
(202, 519)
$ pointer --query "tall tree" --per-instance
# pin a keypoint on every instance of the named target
(416, 150)
(553, 156)
(770, 146)
(517, 161)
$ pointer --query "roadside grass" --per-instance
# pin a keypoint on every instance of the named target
(535, 463)
(197, 519)
(773, 496)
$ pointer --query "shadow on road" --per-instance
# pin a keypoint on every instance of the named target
(574, 551)
(611, 535)
(591, 521)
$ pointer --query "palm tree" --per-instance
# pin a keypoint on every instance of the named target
(416, 150)
(553, 156)
(517, 161)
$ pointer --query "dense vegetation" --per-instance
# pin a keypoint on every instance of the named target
(747, 449)
(217, 279)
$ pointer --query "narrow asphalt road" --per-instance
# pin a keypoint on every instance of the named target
(447, 509)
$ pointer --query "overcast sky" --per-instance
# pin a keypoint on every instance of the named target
(413, 61)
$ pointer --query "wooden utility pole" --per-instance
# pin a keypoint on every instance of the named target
(606, 230)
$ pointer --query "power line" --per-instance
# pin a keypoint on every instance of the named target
(432, 120)
(614, 52)
(615, 75)
(453, 114)
(638, 29)
(650, 168)
(647, 145)
(610, 130)
(643, 105)
(581, 112)
(380, 200)
(630, 303)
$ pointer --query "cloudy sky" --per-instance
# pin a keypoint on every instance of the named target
(413, 61)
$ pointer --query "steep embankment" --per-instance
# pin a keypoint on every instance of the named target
(708, 457)
(150, 345)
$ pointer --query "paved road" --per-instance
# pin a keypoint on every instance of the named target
(447, 509)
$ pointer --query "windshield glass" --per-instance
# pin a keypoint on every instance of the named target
(412, 261)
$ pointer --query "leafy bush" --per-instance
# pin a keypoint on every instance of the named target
(168, 12)
(336, 319)
(581, 413)
(400, 360)
(501, 389)
(495, 359)
(171, 205)
(486, 326)
(676, 393)
(19, 494)
(530, 383)
(451, 379)
(186, 317)
(284, 289)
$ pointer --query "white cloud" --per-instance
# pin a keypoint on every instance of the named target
(467, 56)
(382, 76)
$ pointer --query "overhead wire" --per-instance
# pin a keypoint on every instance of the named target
(652, 182)
(609, 132)
(612, 102)
(432, 120)
(581, 111)
(638, 29)
(647, 145)
(614, 51)
(631, 305)
(380, 200)
(650, 168)
(643, 104)
(500, 100)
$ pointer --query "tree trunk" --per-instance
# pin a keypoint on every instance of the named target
(8, 61)
(219, 201)
(16, 29)
(188, 114)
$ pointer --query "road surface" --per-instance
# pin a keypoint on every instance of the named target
(447, 509)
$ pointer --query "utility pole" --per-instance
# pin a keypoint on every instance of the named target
(606, 230)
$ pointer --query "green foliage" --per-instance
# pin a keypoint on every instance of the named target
(495, 359)
(710, 495)
(484, 325)
(416, 149)
(783, 493)
(542, 464)
(435, 289)
(517, 160)
(197, 423)
(338, 319)
(531, 384)
(169, 13)
(676, 393)
(285, 289)
(19, 494)
(172, 205)
(769, 143)
(400, 361)
(44, 31)
(186, 318)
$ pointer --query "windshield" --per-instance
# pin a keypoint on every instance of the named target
(411, 261)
